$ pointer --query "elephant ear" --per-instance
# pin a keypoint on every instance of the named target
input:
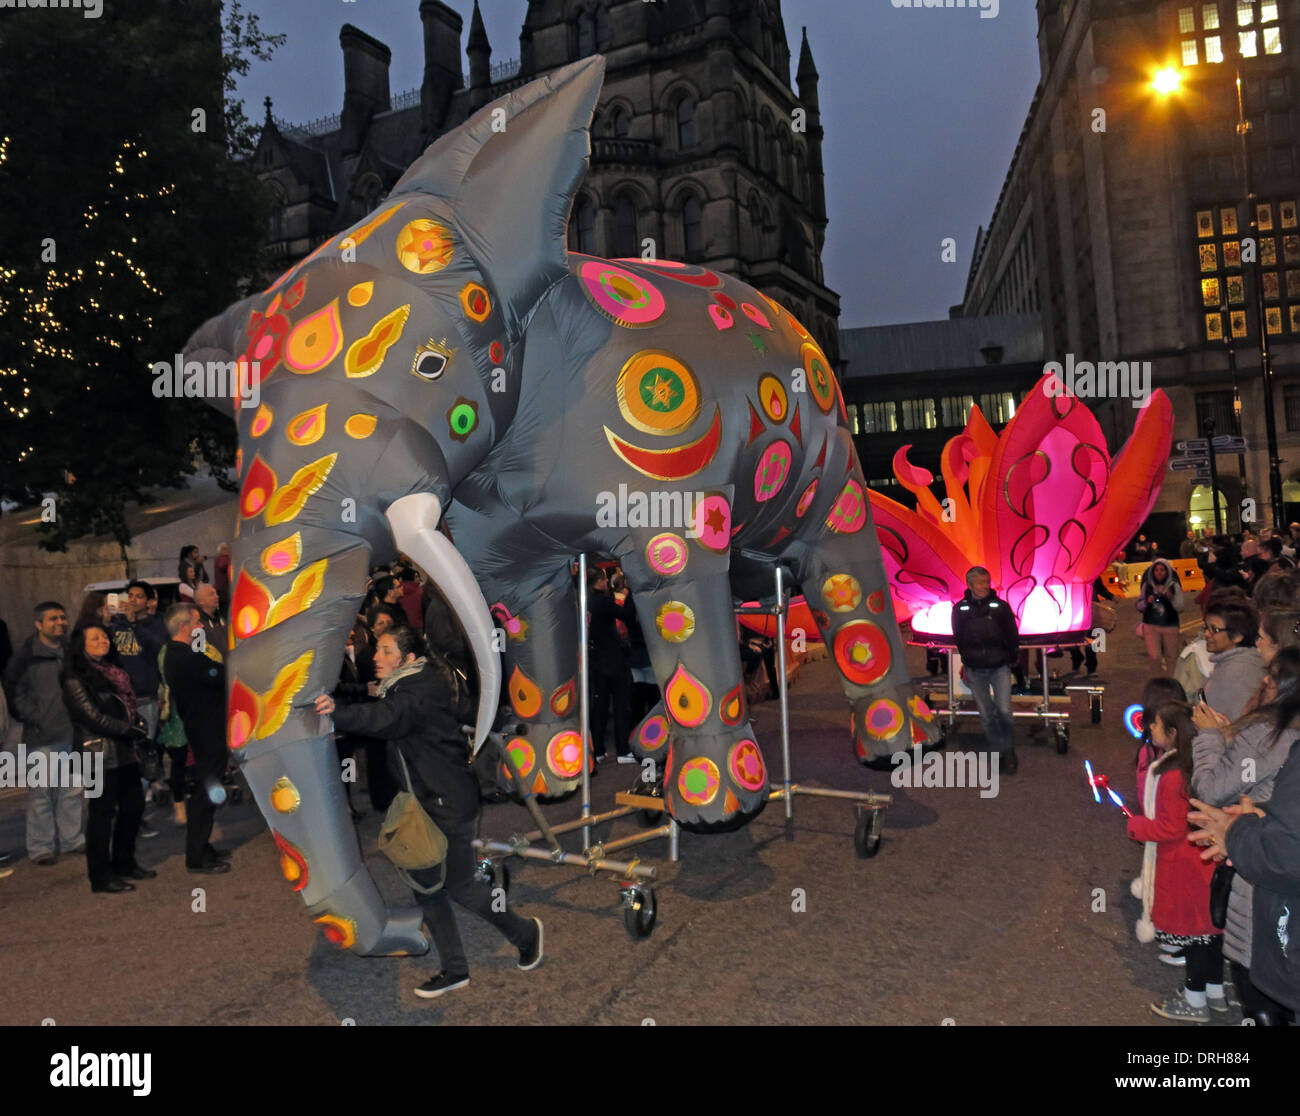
(510, 190)
(217, 340)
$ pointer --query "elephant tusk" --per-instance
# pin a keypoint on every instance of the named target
(414, 522)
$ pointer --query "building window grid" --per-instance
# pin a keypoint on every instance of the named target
(1291, 404)
(1218, 406)
(918, 414)
(1257, 27)
(1222, 276)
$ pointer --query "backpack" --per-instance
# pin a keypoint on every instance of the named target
(171, 732)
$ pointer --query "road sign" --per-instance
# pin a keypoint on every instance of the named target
(1195, 444)
(1181, 464)
(1230, 443)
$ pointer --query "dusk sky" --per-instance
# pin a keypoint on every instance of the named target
(921, 108)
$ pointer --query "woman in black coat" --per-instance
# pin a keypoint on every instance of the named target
(419, 711)
(101, 703)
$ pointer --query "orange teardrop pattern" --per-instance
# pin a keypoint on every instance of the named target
(525, 696)
(307, 427)
(283, 556)
(250, 602)
(257, 489)
(686, 698)
(367, 354)
(261, 421)
(315, 341)
(245, 709)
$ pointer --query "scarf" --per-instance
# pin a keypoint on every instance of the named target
(117, 677)
(403, 671)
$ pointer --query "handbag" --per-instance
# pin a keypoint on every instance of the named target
(1220, 889)
(411, 839)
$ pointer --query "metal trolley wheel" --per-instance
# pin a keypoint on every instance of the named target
(640, 910)
(1062, 734)
(495, 873)
(866, 834)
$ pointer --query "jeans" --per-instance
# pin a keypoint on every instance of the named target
(55, 822)
(992, 692)
(468, 891)
(210, 757)
(110, 848)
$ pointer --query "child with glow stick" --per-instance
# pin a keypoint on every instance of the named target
(1175, 881)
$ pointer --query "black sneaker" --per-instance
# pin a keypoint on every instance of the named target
(1010, 762)
(439, 983)
(209, 867)
(529, 959)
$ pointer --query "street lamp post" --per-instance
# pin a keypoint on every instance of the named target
(1207, 428)
(1265, 359)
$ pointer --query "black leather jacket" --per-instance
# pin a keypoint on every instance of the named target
(97, 710)
(985, 631)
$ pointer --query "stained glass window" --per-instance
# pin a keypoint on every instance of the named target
(1209, 257)
(1210, 292)
(1228, 221)
(1267, 251)
(1214, 326)
(1295, 319)
(1271, 288)
(1238, 323)
(1231, 253)
(1205, 223)
(1286, 211)
(1236, 289)
(1264, 214)
(1291, 246)
(1293, 284)
(1273, 319)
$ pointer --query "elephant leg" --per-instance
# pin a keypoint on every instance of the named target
(713, 769)
(843, 579)
(541, 680)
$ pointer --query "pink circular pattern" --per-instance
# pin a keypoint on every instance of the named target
(666, 554)
(746, 766)
(773, 468)
(653, 734)
(805, 500)
(754, 314)
(850, 510)
(884, 719)
(564, 754)
(721, 318)
(627, 298)
(713, 522)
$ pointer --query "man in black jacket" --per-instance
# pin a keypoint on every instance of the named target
(198, 689)
(984, 628)
(611, 678)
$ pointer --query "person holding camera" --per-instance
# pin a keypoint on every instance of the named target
(1160, 599)
(102, 707)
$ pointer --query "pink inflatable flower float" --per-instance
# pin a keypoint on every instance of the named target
(1042, 506)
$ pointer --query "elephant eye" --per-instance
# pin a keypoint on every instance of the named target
(431, 360)
(430, 365)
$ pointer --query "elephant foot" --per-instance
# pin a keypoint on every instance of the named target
(882, 726)
(548, 758)
(715, 781)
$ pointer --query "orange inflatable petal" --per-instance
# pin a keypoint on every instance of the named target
(250, 601)
(302, 594)
(257, 489)
(283, 556)
(289, 499)
(525, 696)
(277, 700)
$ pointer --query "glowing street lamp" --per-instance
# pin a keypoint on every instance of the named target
(1167, 81)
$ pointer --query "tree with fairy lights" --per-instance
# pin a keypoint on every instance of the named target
(125, 181)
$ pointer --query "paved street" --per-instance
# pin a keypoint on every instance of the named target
(976, 910)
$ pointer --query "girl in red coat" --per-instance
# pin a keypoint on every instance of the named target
(1175, 880)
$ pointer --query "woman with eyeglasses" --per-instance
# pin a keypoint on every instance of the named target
(1243, 760)
(1236, 669)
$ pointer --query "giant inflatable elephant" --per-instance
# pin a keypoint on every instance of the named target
(448, 358)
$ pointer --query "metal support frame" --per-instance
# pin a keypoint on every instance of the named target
(1042, 712)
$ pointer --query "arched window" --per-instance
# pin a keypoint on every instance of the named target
(621, 123)
(687, 135)
(692, 227)
(763, 142)
(600, 125)
(801, 175)
(582, 228)
(779, 159)
(586, 33)
(626, 242)
(603, 37)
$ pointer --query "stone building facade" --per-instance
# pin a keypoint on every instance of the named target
(701, 148)
(1124, 223)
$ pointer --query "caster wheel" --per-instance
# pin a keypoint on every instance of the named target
(640, 911)
(1062, 741)
(866, 841)
(494, 873)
